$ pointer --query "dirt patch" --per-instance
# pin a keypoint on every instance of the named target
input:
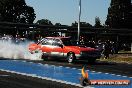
(119, 58)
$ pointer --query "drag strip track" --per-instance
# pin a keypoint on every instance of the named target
(113, 68)
(56, 72)
(9, 80)
(35, 70)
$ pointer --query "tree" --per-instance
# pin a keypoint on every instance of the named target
(57, 24)
(97, 22)
(44, 22)
(82, 24)
(16, 11)
(119, 14)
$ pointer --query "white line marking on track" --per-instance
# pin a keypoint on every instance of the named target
(40, 64)
(31, 62)
(67, 67)
(87, 70)
(124, 76)
(79, 69)
(73, 68)
(52, 65)
(118, 75)
(112, 74)
(130, 77)
(99, 72)
(93, 71)
(79, 73)
(24, 61)
(46, 64)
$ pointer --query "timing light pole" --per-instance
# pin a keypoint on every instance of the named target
(78, 36)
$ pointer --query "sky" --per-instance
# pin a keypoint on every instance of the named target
(66, 11)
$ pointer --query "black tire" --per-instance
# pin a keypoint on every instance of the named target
(71, 57)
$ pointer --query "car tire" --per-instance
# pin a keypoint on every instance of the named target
(70, 57)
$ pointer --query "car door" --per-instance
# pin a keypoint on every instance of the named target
(57, 50)
(46, 46)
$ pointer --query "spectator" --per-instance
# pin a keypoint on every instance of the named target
(107, 49)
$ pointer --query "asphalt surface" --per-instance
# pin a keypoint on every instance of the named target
(9, 80)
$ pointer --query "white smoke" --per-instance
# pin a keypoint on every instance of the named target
(17, 51)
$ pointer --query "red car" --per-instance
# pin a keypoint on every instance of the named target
(63, 47)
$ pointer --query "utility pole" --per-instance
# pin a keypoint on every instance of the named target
(78, 37)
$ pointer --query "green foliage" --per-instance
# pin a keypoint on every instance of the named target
(82, 24)
(16, 11)
(46, 33)
(44, 22)
(119, 14)
(97, 22)
(58, 24)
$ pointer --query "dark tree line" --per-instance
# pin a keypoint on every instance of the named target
(82, 24)
(120, 14)
(75, 24)
(16, 11)
(44, 22)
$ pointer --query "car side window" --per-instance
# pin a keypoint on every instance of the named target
(56, 42)
(47, 41)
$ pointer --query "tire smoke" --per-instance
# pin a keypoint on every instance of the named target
(10, 50)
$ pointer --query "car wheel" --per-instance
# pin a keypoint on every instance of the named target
(70, 57)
